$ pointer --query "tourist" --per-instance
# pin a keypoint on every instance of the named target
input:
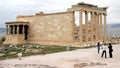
(103, 50)
(110, 50)
(98, 47)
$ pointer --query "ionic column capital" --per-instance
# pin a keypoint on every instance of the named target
(86, 12)
(97, 13)
(105, 14)
(81, 11)
(100, 13)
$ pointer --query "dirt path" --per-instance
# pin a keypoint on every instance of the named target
(81, 58)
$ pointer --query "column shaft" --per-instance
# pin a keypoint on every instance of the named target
(17, 29)
(13, 29)
(86, 26)
(98, 20)
(10, 29)
(6, 29)
(101, 28)
(105, 34)
(96, 35)
(91, 23)
(23, 30)
(81, 33)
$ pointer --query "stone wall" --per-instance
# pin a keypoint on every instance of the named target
(14, 39)
(53, 29)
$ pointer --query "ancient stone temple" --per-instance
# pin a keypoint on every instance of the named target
(60, 28)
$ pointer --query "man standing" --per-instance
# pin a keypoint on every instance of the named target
(103, 50)
(110, 50)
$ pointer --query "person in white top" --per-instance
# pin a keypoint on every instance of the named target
(104, 50)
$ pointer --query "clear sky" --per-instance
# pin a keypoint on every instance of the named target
(9, 9)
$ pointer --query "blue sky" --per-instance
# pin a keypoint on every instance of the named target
(9, 9)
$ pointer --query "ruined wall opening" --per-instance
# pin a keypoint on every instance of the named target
(83, 25)
(77, 18)
(89, 26)
(89, 17)
(83, 18)
(77, 24)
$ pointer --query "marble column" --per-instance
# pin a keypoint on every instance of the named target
(10, 27)
(13, 29)
(23, 30)
(105, 34)
(98, 20)
(96, 28)
(91, 23)
(17, 29)
(81, 32)
(6, 29)
(86, 26)
(95, 20)
(100, 32)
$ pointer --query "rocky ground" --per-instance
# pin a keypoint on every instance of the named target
(80, 58)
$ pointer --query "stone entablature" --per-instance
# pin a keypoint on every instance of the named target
(14, 27)
(88, 7)
(59, 28)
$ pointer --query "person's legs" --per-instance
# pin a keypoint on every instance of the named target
(110, 54)
(105, 54)
(102, 54)
(98, 50)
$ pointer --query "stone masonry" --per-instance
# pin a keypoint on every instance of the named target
(59, 28)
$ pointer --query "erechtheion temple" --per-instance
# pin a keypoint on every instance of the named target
(60, 28)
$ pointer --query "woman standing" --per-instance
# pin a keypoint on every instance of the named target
(110, 50)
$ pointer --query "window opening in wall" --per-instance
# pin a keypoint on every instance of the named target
(76, 17)
(89, 17)
(83, 18)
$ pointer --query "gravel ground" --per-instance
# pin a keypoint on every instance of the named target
(80, 58)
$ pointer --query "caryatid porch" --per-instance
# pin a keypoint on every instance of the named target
(16, 32)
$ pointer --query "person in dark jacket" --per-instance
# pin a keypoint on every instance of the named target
(98, 47)
(110, 50)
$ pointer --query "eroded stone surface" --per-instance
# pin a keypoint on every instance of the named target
(59, 28)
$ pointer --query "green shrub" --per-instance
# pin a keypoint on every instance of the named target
(2, 39)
